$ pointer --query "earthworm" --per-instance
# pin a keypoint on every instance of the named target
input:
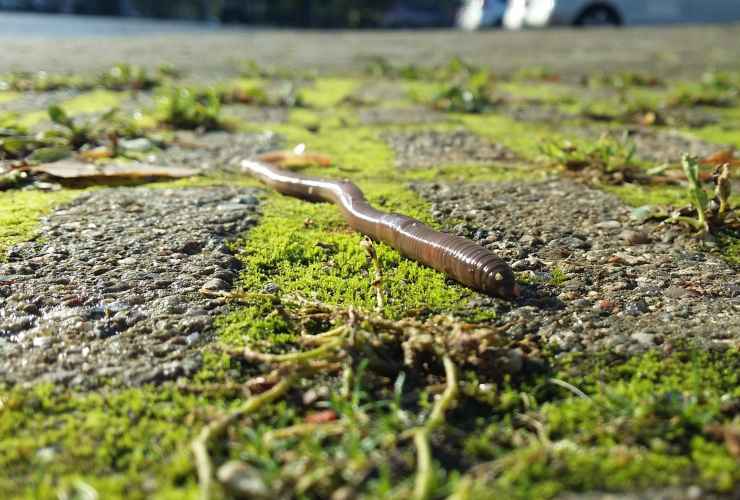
(463, 260)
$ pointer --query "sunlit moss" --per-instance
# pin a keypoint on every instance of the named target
(6, 96)
(20, 212)
(328, 92)
(90, 102)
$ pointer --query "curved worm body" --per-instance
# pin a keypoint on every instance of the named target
(467, 262)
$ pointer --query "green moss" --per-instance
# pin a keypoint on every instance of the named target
(328, 92)
(554, 93)
(636, 195)
(89, 102)
(6, 96)
(92, 102)
(308, 249)
(644, 424)
(477, 173)
(20, 212)
(730, 247)
(124, 444)
(522, 138)
(422, 90)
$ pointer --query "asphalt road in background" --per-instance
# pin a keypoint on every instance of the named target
(76, 43)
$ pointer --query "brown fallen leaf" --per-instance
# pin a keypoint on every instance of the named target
(290, 159)
(721, 157)
(73, 169)
(321, 417)
(728, 433)
(98, 153)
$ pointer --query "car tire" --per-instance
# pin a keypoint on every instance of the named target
(598, 15)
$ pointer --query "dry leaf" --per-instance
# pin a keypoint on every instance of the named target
(728, 433)
(321, 417)
(71, 169)
(721, 157)
(290, 159)
(98, 153)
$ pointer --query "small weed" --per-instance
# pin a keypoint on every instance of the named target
(252, 69)
(623, 80)
(43, 82)
(119, 78)
(536, 74)
(712, 95)
(625, 109)
(184, 108)
(454, 69)
(712, 213)
(607, 160)
(128, 77)
(558, 277)
(472, 94)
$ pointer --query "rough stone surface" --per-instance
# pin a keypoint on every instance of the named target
(110, 291)
(591, 290)
(428, 148)
(34, 101)
(399, 116)
(668, 146)
(216, 150)
(256, 114)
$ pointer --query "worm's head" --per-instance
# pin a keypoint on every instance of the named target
(500, 282)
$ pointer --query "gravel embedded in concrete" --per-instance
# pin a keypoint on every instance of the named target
(110, 291)
(430, 148)
(660, 146)
(216, 150)
(399, 116)
(37, 101)
(600, 281)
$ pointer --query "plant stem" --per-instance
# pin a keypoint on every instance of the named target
(424, 469)
(199, 446)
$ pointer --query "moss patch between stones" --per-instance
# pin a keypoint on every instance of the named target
(20, 212)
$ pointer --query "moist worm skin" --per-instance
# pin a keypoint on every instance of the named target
(467, 262)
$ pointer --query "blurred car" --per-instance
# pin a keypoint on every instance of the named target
(541, 13)
(477, 14)
(417, 14)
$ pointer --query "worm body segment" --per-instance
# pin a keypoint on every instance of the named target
(465, 261)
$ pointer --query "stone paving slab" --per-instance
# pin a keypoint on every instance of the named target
(624, 287)
(109, 291)
(430, 148)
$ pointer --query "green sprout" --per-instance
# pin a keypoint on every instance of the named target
(607, 159)
(472, 94)
(184, 108)
(698, 196)
(76, 133)
(127, 77)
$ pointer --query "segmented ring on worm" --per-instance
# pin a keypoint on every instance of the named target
(463, 260)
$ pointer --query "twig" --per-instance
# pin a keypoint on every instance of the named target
(294, 357)
(369, 247)
(565, 385)
(199, 446)
(463, 490)
(325, 429)
(424, 471)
